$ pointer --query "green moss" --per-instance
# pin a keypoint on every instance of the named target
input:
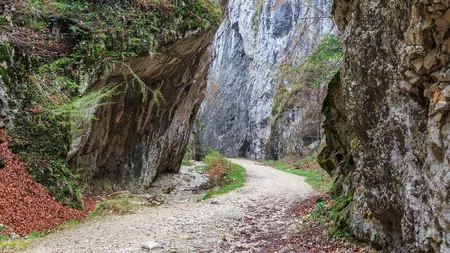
(49, 72)
(187, 162)
(5, 54)
(327, 104)
(355, 142)
(339, 214)
(14, 245)
(103, 183)
(256, 19)
(120, 206)
(325, 159)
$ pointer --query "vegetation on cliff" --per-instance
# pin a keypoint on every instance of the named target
(302, 84)
(52, 50)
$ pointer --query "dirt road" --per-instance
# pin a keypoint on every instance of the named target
(245, 220)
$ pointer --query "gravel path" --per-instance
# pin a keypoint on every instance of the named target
(245, 220)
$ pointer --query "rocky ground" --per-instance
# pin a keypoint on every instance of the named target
(229, 223)
(262, 216)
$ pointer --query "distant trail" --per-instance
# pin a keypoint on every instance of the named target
(246, 220)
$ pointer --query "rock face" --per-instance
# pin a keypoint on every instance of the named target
(133, 140)
(298, 128)
(254, 39)
(387, 122)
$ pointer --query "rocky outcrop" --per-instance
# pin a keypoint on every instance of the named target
(387, 122)
(137, 67)
(254, 39)
(134, 139)
(297, 129)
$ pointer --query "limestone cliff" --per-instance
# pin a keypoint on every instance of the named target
(387, 122)
(253, 40)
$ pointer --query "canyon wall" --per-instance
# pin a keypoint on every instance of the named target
(387, 122)
(253, 40)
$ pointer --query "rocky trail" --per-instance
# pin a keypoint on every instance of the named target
(248, 219)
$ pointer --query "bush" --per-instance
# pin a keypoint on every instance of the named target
(224, 176)
(218, 166)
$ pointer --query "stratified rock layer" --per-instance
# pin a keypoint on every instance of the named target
(134, 139)
(252, 41)
(387, 122)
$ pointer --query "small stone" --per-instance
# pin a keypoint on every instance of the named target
(443, 76)
(441, 106)
(413, 77)
(446, 92)
(418, 63)
(151, 245)
(404, 85)
(215, 202)
(444, 20)
(431, 59)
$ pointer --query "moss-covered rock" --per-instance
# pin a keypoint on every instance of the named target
(50, 51)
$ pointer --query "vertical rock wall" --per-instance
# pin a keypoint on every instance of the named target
(252, 41)
(387, 122)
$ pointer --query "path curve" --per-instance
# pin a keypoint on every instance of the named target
(238, 221)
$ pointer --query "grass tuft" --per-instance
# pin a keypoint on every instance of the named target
(224, 176)
(187, 162)
(14, 245)
(233, 179)
(306, 167)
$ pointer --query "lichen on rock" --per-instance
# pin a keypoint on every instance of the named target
(390, 101)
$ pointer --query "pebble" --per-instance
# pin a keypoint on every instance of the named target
(215, 202)
(151, 245)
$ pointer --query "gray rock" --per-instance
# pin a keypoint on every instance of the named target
(134, 140)
(215, 202)
(151, 245)
(251, 42)
(387, 148)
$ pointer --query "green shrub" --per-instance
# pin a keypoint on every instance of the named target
(187, 162)
(224, 176)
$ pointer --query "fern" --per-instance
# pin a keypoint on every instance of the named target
(81, 110)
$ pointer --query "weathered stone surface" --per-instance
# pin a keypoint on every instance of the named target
(387, 122)
(298, 128)
(251, 43)
(134, 140)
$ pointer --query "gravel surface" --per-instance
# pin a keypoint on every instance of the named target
(244, 220)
